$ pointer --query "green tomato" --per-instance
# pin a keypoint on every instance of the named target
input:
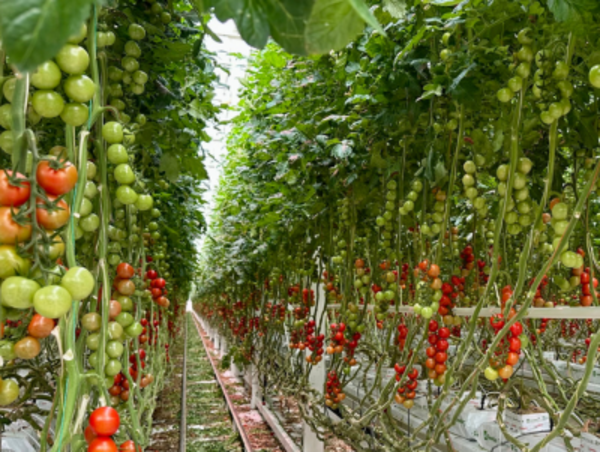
(112, 367)
(470, 167)
(137, 32)
(144, 202)
(427, 312)
(140, 119)
(114, 349)
(124, 175)
(90, 191)
(560, 211)
(594, 76)
(130, 64)
(7, 142)
(52, 301)
(524, 166)
(502, 173)
(9, 392)
(46, 76)
(140, 77)
(561, 71)
(136, 89)
(126, 303)
(112, 132)
(132, 49)
(75, 114)
(79, 282)
(117, 154)
(6, 116)
(92, 321)
(569, 259)
(95, 357)
(11, 263)
(115, 74)
(515, 84)
(47, 103)
(124, 319)
(73, 59)
(93, 341)
(80, 36)
(17, 292)
(90, 223)
(115, 330)
(505, 95)
(8, 88)
(90, 168)
(525, 53)
(80, 88)
(126, 194)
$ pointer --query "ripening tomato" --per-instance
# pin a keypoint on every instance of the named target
(56, 177)
(512, 358)
(14, 195)
(126, 287)
(125, 271)
(52, 217)
(40, 326)
(114, 309)
(505, 372)
(105, 421)
(156, 293)
(102, 444)
(12, 232)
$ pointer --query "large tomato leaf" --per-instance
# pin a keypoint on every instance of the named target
(571, 10)
(332, 25)
(27, 25)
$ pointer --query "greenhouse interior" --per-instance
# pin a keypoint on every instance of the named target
(299, 225)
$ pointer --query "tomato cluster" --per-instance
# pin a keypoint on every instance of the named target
(406, 393)
(104, 422)
(437, 352)
(334, 393)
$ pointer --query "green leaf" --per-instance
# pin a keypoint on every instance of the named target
(287, 22)
(363, 11)
(445, 2)
(396, 8)
(331, 26)
(171, 52)
(571, 10)
(411, 44)
(249, 17)
(170, 166)
(33, 31)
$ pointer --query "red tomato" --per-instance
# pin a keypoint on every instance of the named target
(514, 344)
(56, 178)
(159, 282)
(13, 195)
(40, 327)
(156, 293)
(52, 217)
(12, 232)
(129, 446)
(105, 421)
(151, 274)
(516, 328)
(125, 271)
(89, 434)
(102, 444)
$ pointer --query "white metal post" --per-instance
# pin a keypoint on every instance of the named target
(310, 441)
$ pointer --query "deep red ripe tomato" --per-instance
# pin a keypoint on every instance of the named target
(115, 390)
(432, 339)
(156, 292)
(12, 232)
(514, 344)
(105, 421)
(144, 322)
(413, 374)
(585, 278)
(13, 195)
(151, 274)
(339, 336)
(433, 325)
(160, 283)
(129, 446)
(56, 178)
(412, 385)
(40, 327)
(118, 379)
(102, 444)
(53, 218)
(516, 329)
(444, 333)
(442, 345)
(89, 434)
(585, 289)
(125, 271)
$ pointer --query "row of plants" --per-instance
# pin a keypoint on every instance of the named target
(449, 161)
(103, 111)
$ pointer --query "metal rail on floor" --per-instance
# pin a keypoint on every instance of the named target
(183, 424)
(236, 420)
